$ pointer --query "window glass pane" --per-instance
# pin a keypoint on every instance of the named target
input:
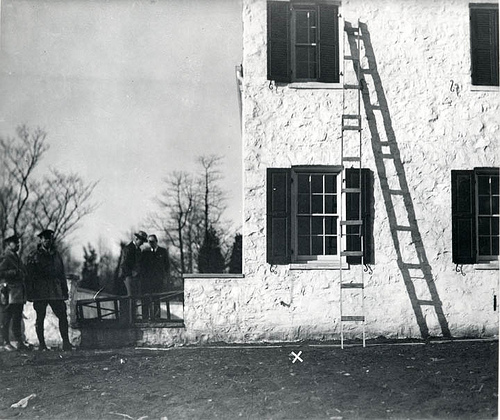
(303, 181)
(484, 205)
(331, 204)
(303, 226)
(317, 245)
(304, 247)
(330, 183)
(317, 225)
(494, 205)
(494, 246)
(331, 245)
(330, 225)
(484, 245)
(305, 58)
(303, 204)
(483, 226)
(317, 204)
(494, 185)
(317, 183)
(483, 184)
(494, 225)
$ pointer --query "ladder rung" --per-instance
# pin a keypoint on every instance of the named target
(352, 285)
(351, 254)
(404, 228)
(425, 302)
(352, 318)
(352, 127)
(351, 159)
(396, 192)
(351, 190)
(387, 156)
(351, 116)
(348, 86)
(412, 266)
(351, 30)
(351, 222)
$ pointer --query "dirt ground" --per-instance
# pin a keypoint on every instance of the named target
(435, 380)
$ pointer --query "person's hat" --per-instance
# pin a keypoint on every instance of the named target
(47, 233)
(141, 235)
(13, 238)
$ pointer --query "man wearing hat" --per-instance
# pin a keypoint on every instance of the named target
(129, 268)
(46, 285)
(12, 277)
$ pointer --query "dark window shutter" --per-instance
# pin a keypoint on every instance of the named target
(484, 46)
(278, 215)
(328, 44)
(463, 217)
(278, 41)
(353, 240)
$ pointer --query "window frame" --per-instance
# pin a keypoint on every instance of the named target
(464, 218)
(315, 170)
(482, 172)
(476, 45)
(275, 52)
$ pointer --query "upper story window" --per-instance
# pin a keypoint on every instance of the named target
(484, 44)
(302, 42)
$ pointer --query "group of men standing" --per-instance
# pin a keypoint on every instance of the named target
(143, 272)
(41, 280)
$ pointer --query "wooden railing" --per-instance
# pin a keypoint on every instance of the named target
(157, 308)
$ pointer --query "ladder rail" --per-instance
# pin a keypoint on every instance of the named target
(355, 56)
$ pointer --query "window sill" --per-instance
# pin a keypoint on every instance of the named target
(213, 276)
(315, 265)
(487, 265)
(314, 85)
(475, 88)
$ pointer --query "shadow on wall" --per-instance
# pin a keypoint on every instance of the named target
(411, 256)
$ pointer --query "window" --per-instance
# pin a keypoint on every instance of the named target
(484, 44)
(303, 214)
(302, 42)
(475, 215)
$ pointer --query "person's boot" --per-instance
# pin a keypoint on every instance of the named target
(67, 346)
(41, 339)
(63, 329)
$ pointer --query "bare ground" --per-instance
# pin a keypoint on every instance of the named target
(437, 380)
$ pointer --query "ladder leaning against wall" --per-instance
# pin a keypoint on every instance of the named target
(351, 223)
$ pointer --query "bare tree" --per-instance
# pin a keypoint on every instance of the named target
(214, 197)
(179, 200)
(60, 201)
(19, 157)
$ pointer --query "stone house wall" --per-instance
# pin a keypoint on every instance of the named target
(437, 121)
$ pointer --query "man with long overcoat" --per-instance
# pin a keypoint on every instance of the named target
(47, 285)
(155, 275)
(12, 278)
(129, 271)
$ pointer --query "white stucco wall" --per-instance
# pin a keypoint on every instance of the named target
(420, 47)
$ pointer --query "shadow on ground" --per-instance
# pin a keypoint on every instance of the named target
(416, 380)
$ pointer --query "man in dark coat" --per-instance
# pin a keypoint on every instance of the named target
(12, 278)
(129, 269)
(46, 285)
(155, 276)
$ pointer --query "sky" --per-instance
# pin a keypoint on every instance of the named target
(127, 91)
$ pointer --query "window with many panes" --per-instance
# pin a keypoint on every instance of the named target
(303, 41)
(303, 214)
(487, 203)
(316, 215)
(475, 215)
(484, 43)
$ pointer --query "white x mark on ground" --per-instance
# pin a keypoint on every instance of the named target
(296, 356)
